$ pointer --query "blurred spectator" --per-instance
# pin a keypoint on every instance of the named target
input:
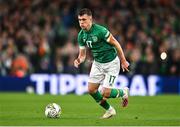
(174, 62)
(20, 66)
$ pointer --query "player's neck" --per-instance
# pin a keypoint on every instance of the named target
(89, 27)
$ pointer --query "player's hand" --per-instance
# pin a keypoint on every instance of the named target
(77, 62)
(125, 66)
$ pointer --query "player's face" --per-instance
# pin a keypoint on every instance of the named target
(85, 21)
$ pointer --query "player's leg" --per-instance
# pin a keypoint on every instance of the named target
(93, 91)
(112, 71)
(116, 93)
(96, 77)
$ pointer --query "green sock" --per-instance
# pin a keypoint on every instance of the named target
(116, 93)
(105, 104)
(99, 99)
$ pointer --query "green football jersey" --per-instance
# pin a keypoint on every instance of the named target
(96, 40)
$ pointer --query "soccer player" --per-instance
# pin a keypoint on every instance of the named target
(107, 54)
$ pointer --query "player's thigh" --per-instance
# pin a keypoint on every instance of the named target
(111, 73)
(96, 75)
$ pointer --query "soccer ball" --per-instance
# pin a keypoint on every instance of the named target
(53, 110)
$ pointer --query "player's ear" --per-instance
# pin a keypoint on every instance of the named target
(90, 18)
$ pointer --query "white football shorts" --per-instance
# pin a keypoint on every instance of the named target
(105, 73)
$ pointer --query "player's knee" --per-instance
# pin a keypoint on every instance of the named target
(91, 90)
(106, 93)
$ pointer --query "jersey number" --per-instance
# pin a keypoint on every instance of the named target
(111, 79)
(89, 44)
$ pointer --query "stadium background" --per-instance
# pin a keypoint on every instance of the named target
(41, 36)
(38, 44)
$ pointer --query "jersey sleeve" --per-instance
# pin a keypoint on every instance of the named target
(104, 33)
(80, 41)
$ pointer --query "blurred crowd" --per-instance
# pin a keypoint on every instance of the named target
(40, 36)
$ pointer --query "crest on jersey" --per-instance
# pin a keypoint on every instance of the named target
(94, 38)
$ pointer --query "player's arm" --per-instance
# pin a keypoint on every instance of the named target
(116, 44)
(81, 57)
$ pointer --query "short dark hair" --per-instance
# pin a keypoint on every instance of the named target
(85, 11)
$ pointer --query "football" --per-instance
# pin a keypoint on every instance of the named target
(53, 110)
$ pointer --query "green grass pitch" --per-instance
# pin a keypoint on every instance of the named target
(28, 110)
